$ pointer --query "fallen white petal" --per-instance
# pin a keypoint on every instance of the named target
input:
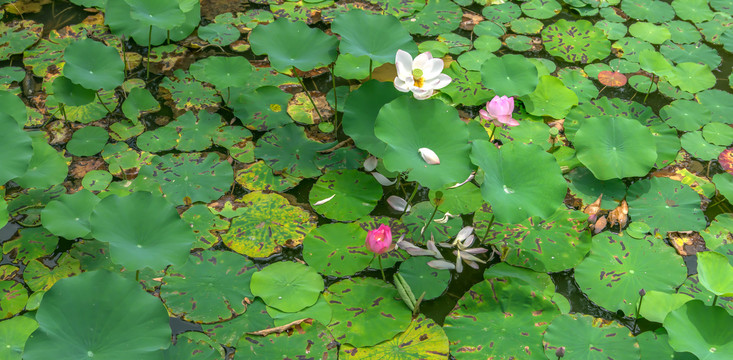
(429, 156)
(370, 163)
(445, 218)
(440, 264)
(383, 180)
(398, 203)
(321, 202)
(467, 230)
(470, 177)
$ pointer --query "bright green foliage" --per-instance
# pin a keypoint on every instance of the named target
(360, 114)
(550, 98)
(439, 16)
(93, 65)
(68, 216)
(88, 141)
(702, 330)
(337, 249)
(14, 333)
(715, 273)
(585, 337)
(423, 339)
(293, 45)
(287, 286)
(576, 41)
(376, 36)
(666, 205)
(352, 194)
(509, 75)
(288, 149)
(17, 145)
(13, 297)
(46, 168)
(312, 341)
(16, 36)
(195, 346)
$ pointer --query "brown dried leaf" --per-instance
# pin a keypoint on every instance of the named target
(593, 209)
(619, 215)
(686, 242)
(470, 19)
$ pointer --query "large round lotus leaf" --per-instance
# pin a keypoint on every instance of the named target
(293, 44)
(15, 143)
(222, 71)
(706, 331)
(68, 216)
(337, 249)
(194, 346)
(186, 93)
(686, 115)
(585, 337)
(87, 141)
(692, 77)
(31, 243)
(438, 17)
(143, 230)
(538, 282)
(509, 75)
(720, 231)
(320, 311)
(288, 149)
(696, 11)
(14, 333)
(47, 167)
(696, 53)
(550, 98)
(665, 205)
(422, 229)
(13, 297)
(407, 124)
(423, 339)
(551, 244)
(190, 177)
(212, 286)
(165, 14)
(259, 176)
(118, 15)
(96, 315)
(576, 41)
(718, 133)
(228, 332)
(424, 280)
(650, 10)
(376, 36)
(657, 304)
(220, 34)
(360, 114)
(655, 34)
(715, 273)
(605, 108)
(618, 267)
(519, 180)
(93, 65)
(265, 223)
(205, 224)
(466, 86)
(139, 101)
(366, 311)
(539, 9)
(287, 286)
(499, 319)
(720, 103)
(615, 147)
(585, 186)
(502, 13)
(694, 143)
(309, 341)
(724, 184)
(353, 194)
(262, 109)
(464, 199)
(71, 94)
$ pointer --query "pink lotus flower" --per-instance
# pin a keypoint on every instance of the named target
(499, 110)
(379, 241)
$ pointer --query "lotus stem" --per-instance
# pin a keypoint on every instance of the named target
(309, 96)
(335, 101)
(137, 275)
(124, 54)
(381, 269)
(491, 136)
(63, 111)
(414, 191)
(651, 82)
(715, 300)
(370, 68)
(101, 102)
(150, 41)
(486, 234)
(432, 216)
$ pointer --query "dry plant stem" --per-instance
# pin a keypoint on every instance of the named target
(101, 102)
(309, 97)
(491, 222)
(150, 39)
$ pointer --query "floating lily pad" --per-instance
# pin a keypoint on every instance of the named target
(724, 184)
(696, 53)
(352, 194)
(287, 286)
(576, 41)
(618, 267)
(310, 340)
(700, 329)
(696, 11)
(651, 10)
(423, 339)
(228, 332)
(211, 287)
(438, 17)
(337, 249)
(360, 114)
(424, 281)
(376, 36)
(685, 115)
(666, 205)
(87, 141)
(718, 134)
(219, 34)
(501, 13)
(14, 333)
(221, 71)
(288, 149)
(265, 223)
(694, 143)
(138, 103)
(461, 200)
(320, 312)
(195, 346)
(586, 337)
(40, 277)
(96, 180)
(466, 86)
(18, 35)
(143, 230)
(510, 75)
(187, 93)
(88, 306)
(93, 65)
(715, 273)
(422, 230)
(585, 186)
(655, 34)
(68, 216)
(17, 145)
(259, 176)
(293, 44)
(205, 224)
(13, 299)
(46, 168)
(263, 109)
(550, 98)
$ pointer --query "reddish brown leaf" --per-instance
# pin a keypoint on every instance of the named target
(612, 78)
(726, 160)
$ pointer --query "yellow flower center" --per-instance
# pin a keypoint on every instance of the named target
(417, 75)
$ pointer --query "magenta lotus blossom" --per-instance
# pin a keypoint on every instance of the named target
(499, 111)
(379, 240)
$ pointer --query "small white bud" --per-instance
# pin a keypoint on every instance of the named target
(429, 156)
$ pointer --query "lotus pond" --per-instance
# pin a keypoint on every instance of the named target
(377, 179)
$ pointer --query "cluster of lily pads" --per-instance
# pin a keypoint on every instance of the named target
(158, 165)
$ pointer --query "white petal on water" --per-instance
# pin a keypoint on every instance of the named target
(370, 163)
(383, 180)
(398, 203)
(321, 202)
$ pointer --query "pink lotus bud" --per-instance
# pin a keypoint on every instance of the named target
(429, 156)
(379, 240)
(499, 110)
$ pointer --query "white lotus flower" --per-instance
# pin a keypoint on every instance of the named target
(421, 76)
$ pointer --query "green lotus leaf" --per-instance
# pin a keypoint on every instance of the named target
(139, 102)
(39, 277)
(720, 103)
(615, 147)
(293, 44)
(715, 273)
(502, 13)
(466, 87)
(424, 281)
(320, 312)
(696, 53)
(618, 267)
(14, 333)
(550, 98)
(29, 202)
(288, 149)
(655, 34)
(337, 249)
(449, 43)
(552, 244)
(464, 199)
(376, 36)
(68, 216)
(423, 339)
(17, 146)
(696, 11)
(187, 93)
(407, 124)
(122, 159)
(14, 108)
(195, 346)
(352, 194)
(193, 176)
(31, 243)
(259, 176)
(165, 14)
(526, 26)
(539, 282)
(205, 224)
(421, 229)
(220, 34)
(123, 130)
(311, 340)
(686, 115)
(651, 10)
(48, 52)
(724, 184)
(613, 30)
(143, 230)
(366, 311)
(90, 316)
(702, 330)
(512, 176)
(657, 304)
(71, 94)
(578, 81)
(348, 66)
(238, 141)
(265, 224)
(576, 41)
(47, 167)
(222, 71)
(665, 205)
(228, 332)
(438, 17)
(287, 286)
(586, 187)
(87, 141)
(510, 75)
(93, 65)
(360, 114)
(499, 318)
(17, 36)
(692, 77)
(719, 231)
(683, 32)
(212, 286)
(694, 143)
(158, 140)
(87, 113)
(13, 297)
(718, 133)
(585, 337)
(196, 130)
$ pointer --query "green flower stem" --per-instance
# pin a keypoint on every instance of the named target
(335, 100)
(414, 191)
(715, 300)
(150, 39)
(370, 68)
(491, 136)
(486, 234)
(101, 102)
(381, 269)
(430, 221)
(309, 97)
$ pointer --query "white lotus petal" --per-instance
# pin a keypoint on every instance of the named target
(433, 248)
(467, 242)
(421, 94)
(467, 230)
(445, 245)
(440, 264)
(429, 156)
(478, 250)
(471, 264)
(383, 180)
(459, 263)
(398, 203)
(403, 63)
(321, 202)
(370, 163)
(470, 177)
(447, 216)
(467, 256)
